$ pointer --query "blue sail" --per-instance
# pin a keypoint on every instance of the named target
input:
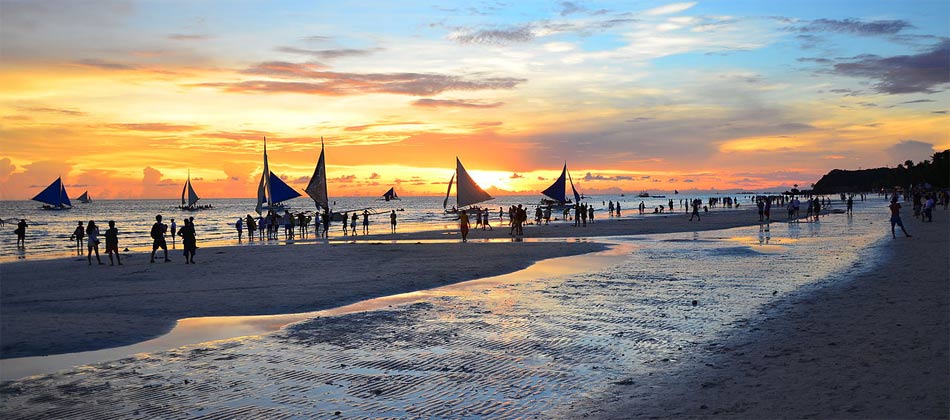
(556, 190)
(280, 191)
(54, 195)
(577, 197)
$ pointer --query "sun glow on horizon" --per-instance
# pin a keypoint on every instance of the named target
(683, 96)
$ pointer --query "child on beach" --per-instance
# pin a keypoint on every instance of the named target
(463, 225)
(112, 242)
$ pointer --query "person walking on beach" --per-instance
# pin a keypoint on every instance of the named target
(346, 219)
(485, 223)
(761, 206)
(353, 224)
(174, 231)
(92, 239)
(850, 205)
(696, 203)
(768, 209)
(392, 220)
(929, 209)
(896, 217)
(189, 240)
(463, 225)
(112, 242)
(590, 213)
(158, 238)
(326, 223)
(817, 205)
(21, 233)
(77, 236)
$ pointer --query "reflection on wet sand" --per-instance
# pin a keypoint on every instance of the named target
(504, 347)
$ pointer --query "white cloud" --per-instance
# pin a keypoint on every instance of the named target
(670, 8)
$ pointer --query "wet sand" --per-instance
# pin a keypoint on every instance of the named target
(72, 307)
(64, 305)
(619, 339)
(876, 346)
(715, 219)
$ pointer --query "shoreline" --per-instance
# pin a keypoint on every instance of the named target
(870, 344)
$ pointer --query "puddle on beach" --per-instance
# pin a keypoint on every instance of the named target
(523, 344)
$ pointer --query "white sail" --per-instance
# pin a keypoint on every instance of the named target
(468, 192)
(317, 188)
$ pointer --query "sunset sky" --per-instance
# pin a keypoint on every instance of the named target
(123, 98)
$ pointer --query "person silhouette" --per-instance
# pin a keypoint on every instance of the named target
(92, 239)
(77, 236)
(158, 238)
(112, 242)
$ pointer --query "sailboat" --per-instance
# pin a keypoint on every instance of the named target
(390, 195)
(317, 188)
(189, 198)
(272, 191)
(84, 198)
(557, 194)
(467, 191)
(54, 197)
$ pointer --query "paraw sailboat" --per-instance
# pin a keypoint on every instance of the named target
(467, 191)
(272, 191)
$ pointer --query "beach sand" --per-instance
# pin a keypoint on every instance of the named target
(64, 305)
(874, 346)
(73, 307)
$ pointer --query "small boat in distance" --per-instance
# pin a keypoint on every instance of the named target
(189, 198)
(643, 194)
(390, 195)
(54, 197)
(272, 191)
(84, 198)
(467, 191)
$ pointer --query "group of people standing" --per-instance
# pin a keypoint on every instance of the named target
(299, 224)
(188, 235)
(91, 234)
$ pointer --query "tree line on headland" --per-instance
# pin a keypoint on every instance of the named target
(935, 172)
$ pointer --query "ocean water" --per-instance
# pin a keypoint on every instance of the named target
(522, 345)
(48, 234)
